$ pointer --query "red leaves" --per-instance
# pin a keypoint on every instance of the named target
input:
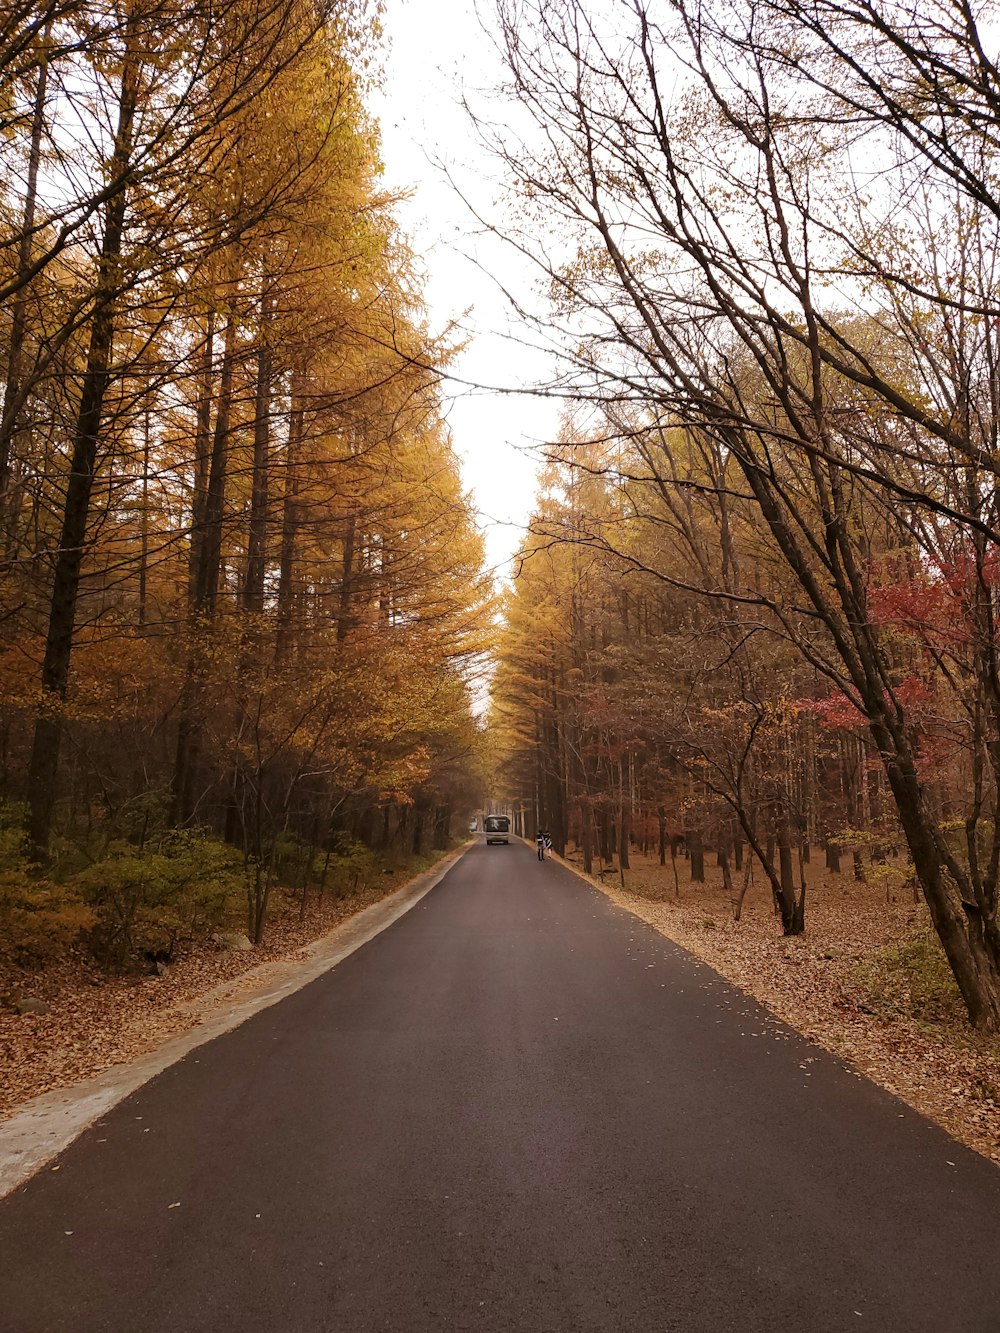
(938, 603)
(834, 713)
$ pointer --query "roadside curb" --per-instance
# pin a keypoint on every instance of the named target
(48, 1124)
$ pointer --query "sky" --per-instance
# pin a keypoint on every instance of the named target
(435, 50)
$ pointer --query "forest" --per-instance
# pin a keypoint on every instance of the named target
(245, 621)
(243, 601)
(757, 608)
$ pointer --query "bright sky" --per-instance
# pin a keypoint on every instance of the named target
(437, 50)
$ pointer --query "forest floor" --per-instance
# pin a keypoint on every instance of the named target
(867, 981)
(97, 1020)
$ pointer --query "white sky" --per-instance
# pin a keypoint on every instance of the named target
(436, 49)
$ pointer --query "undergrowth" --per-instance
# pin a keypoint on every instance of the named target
(132, 904)
(913, 978)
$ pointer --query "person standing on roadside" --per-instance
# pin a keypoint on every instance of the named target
(540, 844)
(548, 841)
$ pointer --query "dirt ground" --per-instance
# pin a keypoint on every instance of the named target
(867, 980)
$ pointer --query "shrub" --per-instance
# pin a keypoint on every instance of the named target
(148, 900)
(913, 977)
(350, 866)
(39, 921)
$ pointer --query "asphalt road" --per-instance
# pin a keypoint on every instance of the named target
(517, 1108)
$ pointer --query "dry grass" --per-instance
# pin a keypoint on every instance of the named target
(867, 981)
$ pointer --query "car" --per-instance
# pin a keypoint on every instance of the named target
(497, 828)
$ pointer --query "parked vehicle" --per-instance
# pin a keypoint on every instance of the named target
(497, 828)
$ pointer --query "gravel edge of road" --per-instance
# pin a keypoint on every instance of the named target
(47, 1125)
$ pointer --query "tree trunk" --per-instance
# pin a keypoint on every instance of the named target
(44, 761)
(697, 850)
(605, 836)
(738, 899)
(208, 573)
(253, 591)
(442, 820)
(13, 395)
(290, 521)
(791, 909)
(347, 578)
(623, 839)
(206, 559)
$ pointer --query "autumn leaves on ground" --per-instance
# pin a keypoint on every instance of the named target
(748, 670)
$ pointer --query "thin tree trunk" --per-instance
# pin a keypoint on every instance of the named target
(208, 573)
(624, 824)
(697, 850)
(289, 522)
(253, 591)
(206, 556)
(347, 579)
(13, 395)
(738, 900)
(144, 522)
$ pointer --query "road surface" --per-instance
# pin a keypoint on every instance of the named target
(519, 1108)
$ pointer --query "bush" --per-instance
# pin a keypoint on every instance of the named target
(149, 900)
(914, 977)
(39, 921)
(351, 866)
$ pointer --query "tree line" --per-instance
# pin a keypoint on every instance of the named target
(768, 235)
(242, 591)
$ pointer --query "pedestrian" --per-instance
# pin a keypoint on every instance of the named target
(540, 844)
(548, 842)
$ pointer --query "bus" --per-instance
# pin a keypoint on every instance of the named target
(497, 828)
